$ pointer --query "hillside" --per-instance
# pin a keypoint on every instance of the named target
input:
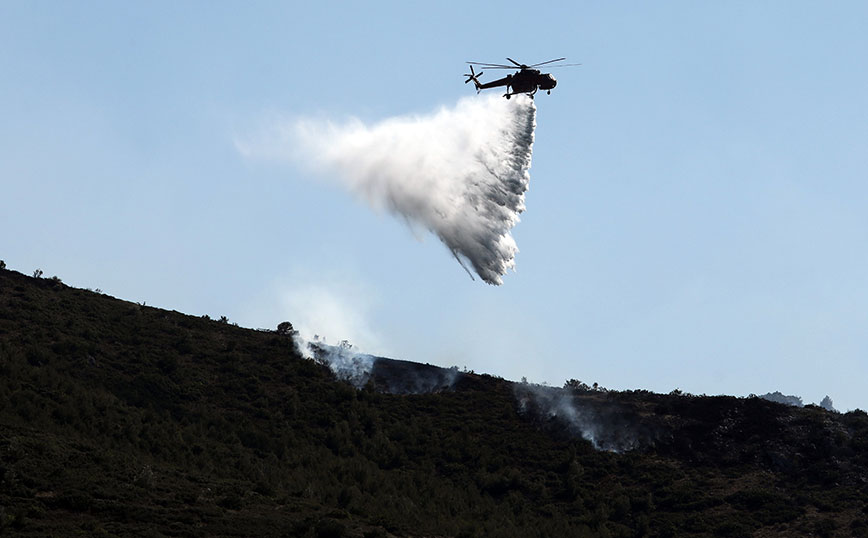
(120, 419)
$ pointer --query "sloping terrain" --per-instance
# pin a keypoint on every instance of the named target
(121, 419)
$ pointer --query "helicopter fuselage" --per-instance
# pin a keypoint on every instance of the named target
(524, 81)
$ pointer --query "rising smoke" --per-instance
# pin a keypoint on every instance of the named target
(386, 375)
(460, 172)
(588, 415)
(346, 363)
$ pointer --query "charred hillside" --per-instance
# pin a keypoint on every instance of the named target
(121, 419)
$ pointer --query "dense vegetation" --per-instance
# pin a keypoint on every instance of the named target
(121, 419)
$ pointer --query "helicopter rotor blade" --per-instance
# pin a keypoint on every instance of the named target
(548, 62)
(521, 66)
(485, 64)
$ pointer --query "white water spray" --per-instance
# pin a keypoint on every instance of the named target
(461, 172)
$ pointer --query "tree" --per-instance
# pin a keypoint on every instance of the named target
(577, 386)
(284, 328)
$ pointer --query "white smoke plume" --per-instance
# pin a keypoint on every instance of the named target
(461, 172)
(343, 360)
(604, 424)
(389, 375)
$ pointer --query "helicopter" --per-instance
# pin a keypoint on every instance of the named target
(527, 80)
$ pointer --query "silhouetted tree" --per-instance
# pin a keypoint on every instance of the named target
(576, 385)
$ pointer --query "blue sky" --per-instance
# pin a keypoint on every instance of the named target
(696, 215)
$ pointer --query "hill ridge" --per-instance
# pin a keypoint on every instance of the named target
(121, 419)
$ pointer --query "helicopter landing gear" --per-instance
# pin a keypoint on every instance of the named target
(507, 96)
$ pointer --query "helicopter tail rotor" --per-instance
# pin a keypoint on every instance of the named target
(472, 76)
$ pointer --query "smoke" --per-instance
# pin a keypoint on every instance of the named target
(796, 401)
(404, 377)
(460, 172)
(779, 397)
(605, 424)
(346, 363)
(331, 306)
(385, 375)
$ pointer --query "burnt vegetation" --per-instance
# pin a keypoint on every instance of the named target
(117, 418)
